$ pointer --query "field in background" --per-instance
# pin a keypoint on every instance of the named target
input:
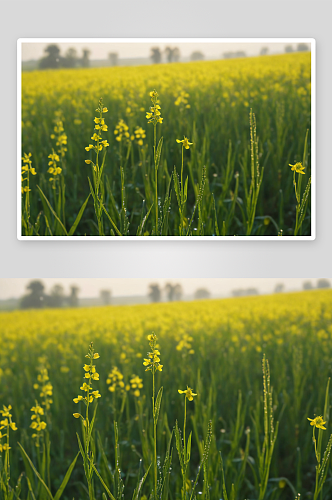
(208, 102)
(215, 347)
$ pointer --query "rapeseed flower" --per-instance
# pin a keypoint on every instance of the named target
(154, 113)
(6, 423)
(185, 142)
(152, 362)
(298, 168)
(318, 422)
(90, 375)
(188, 392)
(37, 424)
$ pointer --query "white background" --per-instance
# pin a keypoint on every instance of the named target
(158, 259)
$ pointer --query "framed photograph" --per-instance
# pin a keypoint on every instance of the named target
(166, 139)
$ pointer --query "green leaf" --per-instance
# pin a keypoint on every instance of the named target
(158, 153)
(185, 192)
(103, 483)
(78, 218)
(157, 404)
(66, 478)
(35, 471)
(141, 226)
(30, 488)
(179, 446)
(53, 212)
(188, 448)
(140, 484)
(111, 221)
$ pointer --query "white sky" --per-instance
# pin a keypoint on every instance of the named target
(15, 287)
(32, 50)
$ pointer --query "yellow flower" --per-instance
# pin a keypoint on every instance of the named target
(88, 162)
(105, 110)
(298, 168)
(77, 415)
(189, 393)
(318, 422)
(89, 147)
(79, 398)
(185, 142)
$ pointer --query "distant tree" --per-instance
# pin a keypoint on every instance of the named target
(113, 58)
(173, 292)
(279, 288)
(323, 283)
(105, 296)
(302, 47)
(56, 297)
(85, 62)
(169, 53)
(178, 292)
(289, 48)
(264, 51)
(307, 285)
(155, 55)
(197, 56)
(154, 292)
(70, 60)
(251, 291)
(176, 54)
(52, 60)
(34, 299)
(202, 293)
(73, 297)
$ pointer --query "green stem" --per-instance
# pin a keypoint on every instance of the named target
(184, 448)
(156, 176)
(182, 178)
(154, 439)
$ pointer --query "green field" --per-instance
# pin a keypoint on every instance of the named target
(234, 178)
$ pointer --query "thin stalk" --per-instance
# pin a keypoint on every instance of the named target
(155, 440)
(155, 176)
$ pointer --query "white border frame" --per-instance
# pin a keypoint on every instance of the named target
(312, 41)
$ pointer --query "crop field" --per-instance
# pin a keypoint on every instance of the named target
(215, 148)
(170, 401)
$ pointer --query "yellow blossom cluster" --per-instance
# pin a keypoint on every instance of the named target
(6, 423)
(90, 374)
(182, 100)
(121, 131)
(99, 127)
(45, 387)
(154, 113)
(115, 380)
(37, 424)
(26, 169)
(152, 362)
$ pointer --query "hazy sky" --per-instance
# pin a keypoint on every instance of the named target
(32, 50)
(15, 287)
